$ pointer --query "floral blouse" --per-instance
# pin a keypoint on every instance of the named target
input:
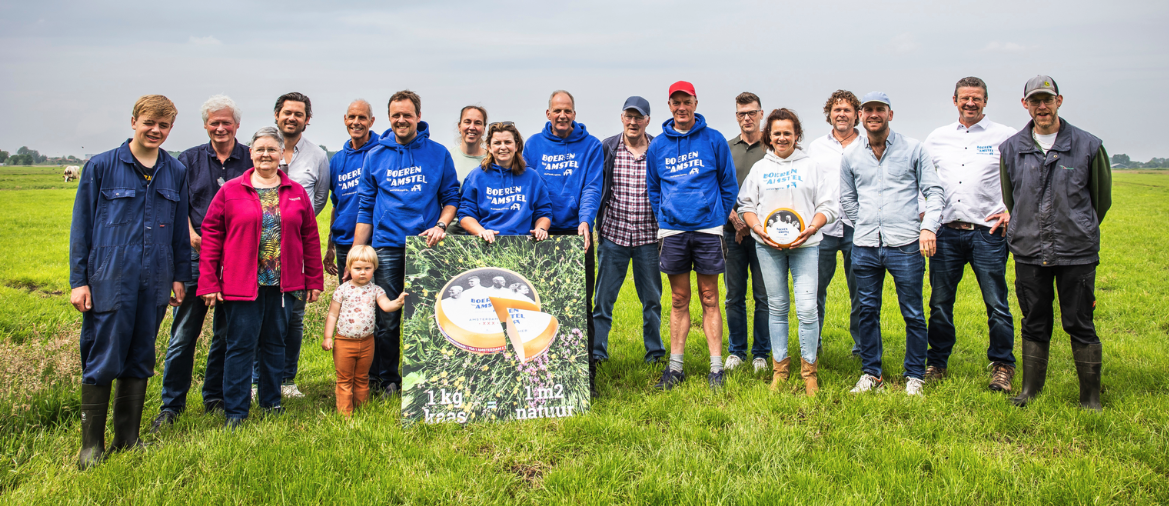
(269, 272)
(358, 304)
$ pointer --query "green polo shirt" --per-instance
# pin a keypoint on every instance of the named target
(745, 156)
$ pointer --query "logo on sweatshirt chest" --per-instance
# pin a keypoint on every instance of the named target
(408, 179)
(559, 165)
(781, 179)
(506, 197)
(688, 163)
(349, 180)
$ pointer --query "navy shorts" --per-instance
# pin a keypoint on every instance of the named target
(692, 251)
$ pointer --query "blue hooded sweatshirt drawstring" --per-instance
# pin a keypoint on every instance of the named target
(691, 188)
(405, 187)
(572, 170)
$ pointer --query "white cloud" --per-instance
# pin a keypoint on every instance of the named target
(903, 43)
(204, 41)
(1004, 47)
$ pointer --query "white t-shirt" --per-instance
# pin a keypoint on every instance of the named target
(1045, 141)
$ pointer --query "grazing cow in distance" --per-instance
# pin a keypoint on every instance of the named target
(72, 172)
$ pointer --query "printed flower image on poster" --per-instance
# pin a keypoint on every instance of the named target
(494, 331)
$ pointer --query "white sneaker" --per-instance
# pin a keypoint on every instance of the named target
(867, 383)
(290, 391)
(253, 392)
(760, 364)
(914, 387)
(732, 362)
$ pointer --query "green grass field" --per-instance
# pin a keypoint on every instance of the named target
(960, 444)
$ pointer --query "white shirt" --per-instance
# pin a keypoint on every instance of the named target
(967, 160)
(1045, 141)
(827, 151)
(310, 168)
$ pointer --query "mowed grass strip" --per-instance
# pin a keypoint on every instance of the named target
(961, 444)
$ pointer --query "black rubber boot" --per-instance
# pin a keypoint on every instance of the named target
(129, 396)
(1034, 371)
(1088, 361)
(95, 403)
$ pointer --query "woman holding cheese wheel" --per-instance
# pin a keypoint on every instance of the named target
(502, 198)
(786, 199)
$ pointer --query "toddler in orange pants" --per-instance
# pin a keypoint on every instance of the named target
(351, 319)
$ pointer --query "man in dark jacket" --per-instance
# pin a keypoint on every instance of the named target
(128, 250)
(628, 232)
(1057, 185)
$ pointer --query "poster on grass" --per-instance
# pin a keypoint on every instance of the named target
(494, 332)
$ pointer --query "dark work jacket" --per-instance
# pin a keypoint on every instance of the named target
(609, 146)
(1053, 199)
(128, 234)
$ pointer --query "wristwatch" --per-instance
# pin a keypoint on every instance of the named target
(441, 225)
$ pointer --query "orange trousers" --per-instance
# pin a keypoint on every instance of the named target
(352, 358)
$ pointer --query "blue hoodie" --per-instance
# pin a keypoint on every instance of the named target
(505, 202)
(345, 177)
(404, 188)
(572, 169)
(690, 178)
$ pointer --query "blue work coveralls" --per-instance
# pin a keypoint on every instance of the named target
(129, 242)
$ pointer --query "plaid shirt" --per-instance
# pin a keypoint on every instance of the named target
(629, 220)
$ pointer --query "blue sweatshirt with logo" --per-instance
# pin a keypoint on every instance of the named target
(690, 177)
(505, 202)
(572, 169)
(345, 175)
(404, 187)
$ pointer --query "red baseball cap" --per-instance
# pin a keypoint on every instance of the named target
(684, 87)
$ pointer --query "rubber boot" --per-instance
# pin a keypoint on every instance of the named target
(1034, 371)
(95, 403)
(1088, 361)
(808, 372)
(780, 372)
(129, 396)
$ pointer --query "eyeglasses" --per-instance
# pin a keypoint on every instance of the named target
(1045, 98)
(744, 114)
(267, 151)
(630, 117)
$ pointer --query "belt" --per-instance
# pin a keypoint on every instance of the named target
(962, 225)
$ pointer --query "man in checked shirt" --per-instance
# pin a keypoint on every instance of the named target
(628, 231)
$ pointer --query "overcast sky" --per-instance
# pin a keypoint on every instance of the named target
(70, 71)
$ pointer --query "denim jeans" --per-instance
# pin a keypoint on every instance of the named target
(907, 267)
(829, 245)
(255, 328)
(802, 263)
(613, 264)
(342, 252)
(987, 255)
(742, 260)
(390, 276)
(180, 353)
(293, 336)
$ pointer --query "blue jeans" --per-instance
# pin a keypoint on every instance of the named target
(907, 267)
(255, 328)
(180, 353)
(742, 260)
(342, 252)
(613, 264)
(829, 245)
(294, 335)
(987, 256)
(390, 276)
(802, 263)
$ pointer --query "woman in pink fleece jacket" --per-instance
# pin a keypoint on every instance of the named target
(260, 251)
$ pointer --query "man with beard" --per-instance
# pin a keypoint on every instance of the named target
(307, 164)
(1057, 185)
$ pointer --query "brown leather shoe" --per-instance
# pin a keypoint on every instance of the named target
(780, 372)
(934, 373)
(1000, 377)
(808, 372)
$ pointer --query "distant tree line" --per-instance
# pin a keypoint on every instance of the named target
(1122, 161)
(26, 156)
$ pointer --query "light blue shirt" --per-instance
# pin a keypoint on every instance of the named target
(880, 197)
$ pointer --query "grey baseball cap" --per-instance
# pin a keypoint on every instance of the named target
(876, 96)
(1040, 84)
(638, 104)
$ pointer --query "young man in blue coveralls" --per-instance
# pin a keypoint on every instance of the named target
(128, 250)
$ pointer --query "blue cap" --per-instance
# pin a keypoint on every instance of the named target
(638, 104)
(876, 96)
